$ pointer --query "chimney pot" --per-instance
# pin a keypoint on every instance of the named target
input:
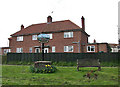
(49, 19)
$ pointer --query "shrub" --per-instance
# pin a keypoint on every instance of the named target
(45, 69)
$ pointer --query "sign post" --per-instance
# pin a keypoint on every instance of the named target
(43, 38)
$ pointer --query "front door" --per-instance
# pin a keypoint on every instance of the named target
(46, 50)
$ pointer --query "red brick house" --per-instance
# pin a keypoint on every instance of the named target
(62, 35)
(65, 36)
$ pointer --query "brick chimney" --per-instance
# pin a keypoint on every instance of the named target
(83, 23)
(22, 26)
(94, 41)
(49, 19)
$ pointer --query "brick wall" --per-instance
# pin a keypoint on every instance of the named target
(58, 41)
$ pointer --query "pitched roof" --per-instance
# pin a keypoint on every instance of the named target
(45, 27)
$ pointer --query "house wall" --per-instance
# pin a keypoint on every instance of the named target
(103, 47)
(57, 40)
(84, 40)
(98, 47)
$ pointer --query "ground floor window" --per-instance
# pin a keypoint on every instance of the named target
(19, 50)
(53, 48)
(90, 48)
(7, 51)
(30, 49)
(68, 48)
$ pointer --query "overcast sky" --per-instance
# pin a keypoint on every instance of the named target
(101, 16)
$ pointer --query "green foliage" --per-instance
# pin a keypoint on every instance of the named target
(46, 69)
(32, 70)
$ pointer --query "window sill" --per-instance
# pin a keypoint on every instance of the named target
(69, 38)
(19, 41)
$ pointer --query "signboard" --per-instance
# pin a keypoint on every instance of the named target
(43, 38)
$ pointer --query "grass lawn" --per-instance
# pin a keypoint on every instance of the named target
(20, 75)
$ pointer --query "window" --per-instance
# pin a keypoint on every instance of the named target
(30, 49)
(50, 35)
(19, 50)
(7, 51)
(53, 48)
(34, 37)
(37, 50)
(90, 48)
(68, 48)
(20, 38)
(68, 34)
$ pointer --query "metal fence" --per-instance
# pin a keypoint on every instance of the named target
(67, 57)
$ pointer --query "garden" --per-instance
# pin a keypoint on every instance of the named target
(18, 69)
(22, 75)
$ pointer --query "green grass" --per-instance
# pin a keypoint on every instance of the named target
(0, 74)
(20, 75)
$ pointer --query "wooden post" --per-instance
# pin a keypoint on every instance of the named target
(42, 51)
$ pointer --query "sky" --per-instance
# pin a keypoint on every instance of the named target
(101, 16)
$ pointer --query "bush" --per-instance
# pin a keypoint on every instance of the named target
(46, 69)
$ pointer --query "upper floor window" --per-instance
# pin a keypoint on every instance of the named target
(19, 50)
(90, 48)
(68, 48)
(50, 36)
(68, 34)
(20, 38)
(34, 37)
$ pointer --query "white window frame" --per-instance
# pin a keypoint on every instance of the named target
(36, 49)
(66, 48)
(51, 36)
(68, 34)
(30, 50)
(91, 47)
(20, 38)
(7, 51)
(34, 37)
(19, 50)
(53, 48)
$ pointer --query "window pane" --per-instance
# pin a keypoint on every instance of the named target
(68, 34)
(71, 34)
(20, 38)
(70, 48)
(65, 48)
(53, 49)
(34, 37)
(65, 34)
(17, 50)
(88, 48)
(92, 48)
(30, 49)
